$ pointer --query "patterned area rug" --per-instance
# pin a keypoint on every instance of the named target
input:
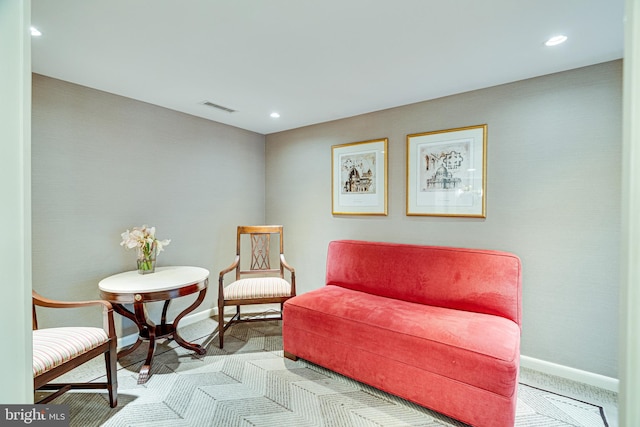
(249, 383)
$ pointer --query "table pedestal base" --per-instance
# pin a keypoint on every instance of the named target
(149, 331)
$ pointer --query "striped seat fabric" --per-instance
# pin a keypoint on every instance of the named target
(54, 346)
(261, 287)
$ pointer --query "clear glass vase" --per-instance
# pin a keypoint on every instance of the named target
(147, 258)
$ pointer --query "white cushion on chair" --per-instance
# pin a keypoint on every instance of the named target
(260, 287)
(54, 346)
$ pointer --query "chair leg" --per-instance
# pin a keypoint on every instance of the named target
(220, 325)
(112, 374)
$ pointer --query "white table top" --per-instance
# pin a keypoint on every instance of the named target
(164, 278)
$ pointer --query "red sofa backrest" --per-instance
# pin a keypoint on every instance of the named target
(482, 281)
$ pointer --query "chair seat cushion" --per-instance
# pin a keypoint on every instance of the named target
(257, 287)
(54, 346)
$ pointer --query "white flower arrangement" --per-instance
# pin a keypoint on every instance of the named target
(144, 238)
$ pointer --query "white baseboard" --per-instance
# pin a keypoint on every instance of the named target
(573, 374)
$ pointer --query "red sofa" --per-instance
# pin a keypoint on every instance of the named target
(438, 326)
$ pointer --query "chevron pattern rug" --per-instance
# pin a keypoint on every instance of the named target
(249, 383)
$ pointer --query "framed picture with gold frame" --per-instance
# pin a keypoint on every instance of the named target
(359, 178)
(446, 172)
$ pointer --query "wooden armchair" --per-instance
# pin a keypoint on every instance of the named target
(255, 282)
(56, 351)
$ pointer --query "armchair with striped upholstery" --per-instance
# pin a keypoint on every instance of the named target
(255, 281)
(57, 351)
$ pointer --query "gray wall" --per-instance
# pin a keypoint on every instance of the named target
(102, 163)
(553, 198)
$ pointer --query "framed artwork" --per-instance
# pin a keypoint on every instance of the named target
(446, 172)
(359, 178)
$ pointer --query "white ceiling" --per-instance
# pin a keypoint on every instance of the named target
(313, 60)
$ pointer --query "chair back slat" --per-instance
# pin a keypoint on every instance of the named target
(260, 244)
(258, 257)
(265, 273)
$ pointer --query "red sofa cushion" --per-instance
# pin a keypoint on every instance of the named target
(474, 348)
(481, 281)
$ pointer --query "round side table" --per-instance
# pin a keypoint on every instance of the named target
(165, 284)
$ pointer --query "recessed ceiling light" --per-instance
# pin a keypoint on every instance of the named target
(35, 32)
(275, 115)
(556, 40)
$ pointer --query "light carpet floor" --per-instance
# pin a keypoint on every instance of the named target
(249, 383)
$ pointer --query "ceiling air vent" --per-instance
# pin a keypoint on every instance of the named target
(219, 107)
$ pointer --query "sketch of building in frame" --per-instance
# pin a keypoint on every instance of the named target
(357, 172)
(444, 166)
